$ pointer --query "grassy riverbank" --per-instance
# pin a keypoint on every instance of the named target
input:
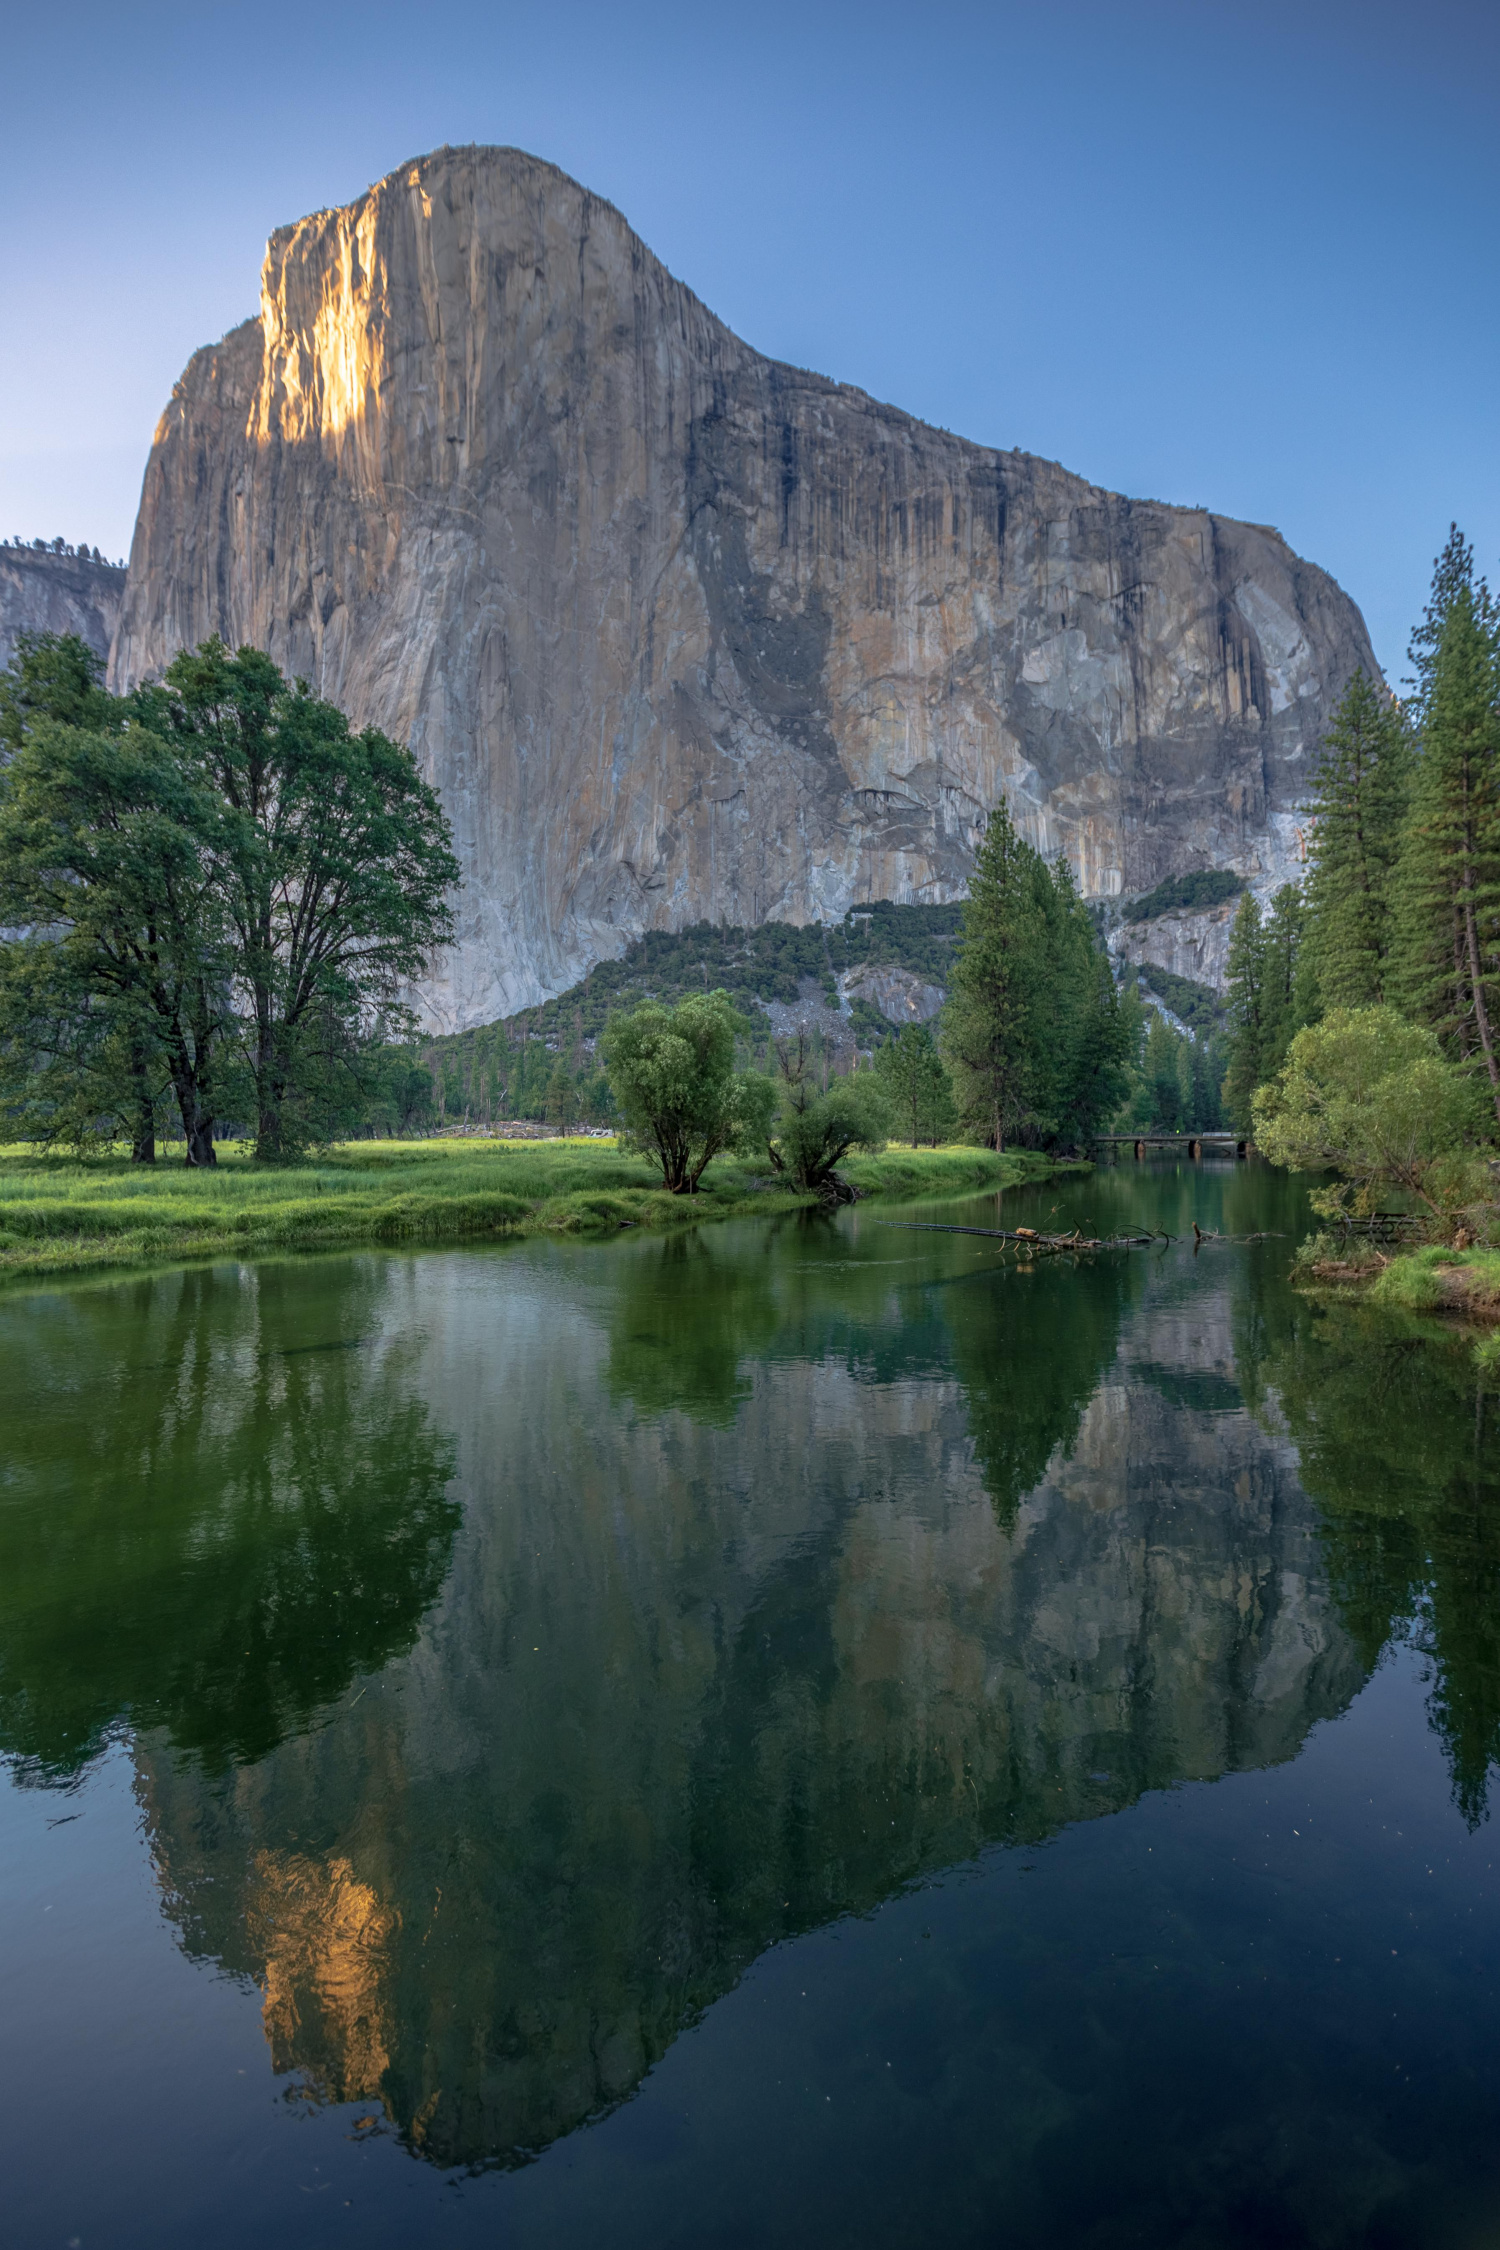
(1430, 1279)
(62, 1215)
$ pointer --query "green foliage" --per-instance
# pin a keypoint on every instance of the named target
(399, 1100)
(817, 1127)
(1372, 1097)
(330, 861)
(1168, 1085)
(503, 1069)
(282, 1542)
(61, 1215)
(1448, 877)
(1452, 576)
(754, 966)
(1196, 1005)
(52, 676)
(1394, 1437)
(917, 1085)
(1358, 805)
(1210, 886)
(1264, 1003)
(1033, 1030)
(673, 1077)
(118, 990)
(1030, 1357)
(222, 892)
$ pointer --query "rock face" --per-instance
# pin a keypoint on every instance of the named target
(1190, 944)
(680, 632)
(41, 592)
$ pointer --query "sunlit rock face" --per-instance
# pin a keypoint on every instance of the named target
(757, 1646)
(680, 632)
(41, 592)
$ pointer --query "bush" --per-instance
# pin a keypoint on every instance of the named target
(1372, 1097)
(674, 1080)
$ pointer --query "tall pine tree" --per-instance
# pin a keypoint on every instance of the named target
(1245, 1006)
(1448, 877)
(1034, 1030)
(993, 1023)
(1359, 802)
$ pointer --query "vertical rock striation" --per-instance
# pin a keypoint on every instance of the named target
(680, 632)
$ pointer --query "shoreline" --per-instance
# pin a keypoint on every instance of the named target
(69, 1218)
(1463, 1285)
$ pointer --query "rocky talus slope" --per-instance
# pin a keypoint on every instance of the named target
(681, 633)
(43, 592)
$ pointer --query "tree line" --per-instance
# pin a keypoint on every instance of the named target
(215, 896)
(1364, 1006)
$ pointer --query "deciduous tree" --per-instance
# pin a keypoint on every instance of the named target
(816, 1129)
(672, 1074)
(332, 861)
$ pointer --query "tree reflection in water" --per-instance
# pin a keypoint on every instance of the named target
(222, 1502)
(1397, 1439)
(739, 1640)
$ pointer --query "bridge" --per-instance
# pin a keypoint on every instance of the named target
(1192, 1145)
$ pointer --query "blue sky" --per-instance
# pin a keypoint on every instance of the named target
(1242, 257)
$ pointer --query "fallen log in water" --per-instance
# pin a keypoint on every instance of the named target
(1027, 1238)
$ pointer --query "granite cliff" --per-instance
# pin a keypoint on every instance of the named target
(42, 591)
(682, 633)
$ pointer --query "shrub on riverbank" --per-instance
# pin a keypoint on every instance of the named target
(60, 1214)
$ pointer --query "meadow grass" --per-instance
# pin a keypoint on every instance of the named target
(65, 1215)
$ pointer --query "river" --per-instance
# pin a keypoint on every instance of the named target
(810, 1732)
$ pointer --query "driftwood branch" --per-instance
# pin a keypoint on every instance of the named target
(1056, 1245)
(1027, 1238)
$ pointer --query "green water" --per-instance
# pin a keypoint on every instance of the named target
(804, 1733)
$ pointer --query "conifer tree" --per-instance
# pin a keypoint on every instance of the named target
(1448, 877)
(1245, 1008)
(992, 1026)
(1452, 574)
(1162, 1070)
(1094, 1034)
(916, 1083)
(1284, 985)
(1358, 806)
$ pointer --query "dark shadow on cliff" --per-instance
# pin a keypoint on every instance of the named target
(223, 1503)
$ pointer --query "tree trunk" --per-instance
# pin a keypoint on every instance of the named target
(1476, 986)
(197, 1122)
(143, 1135)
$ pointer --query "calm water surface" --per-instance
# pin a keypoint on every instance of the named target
(804, 1734)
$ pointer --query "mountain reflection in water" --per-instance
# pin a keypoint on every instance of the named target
(795, 1563)
(512, 1647)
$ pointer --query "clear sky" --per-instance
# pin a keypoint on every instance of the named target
(1235, 256)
